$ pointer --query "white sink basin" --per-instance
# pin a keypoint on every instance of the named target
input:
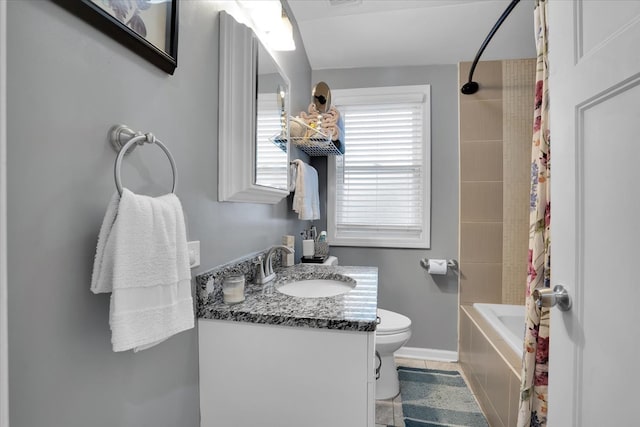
(315, 288)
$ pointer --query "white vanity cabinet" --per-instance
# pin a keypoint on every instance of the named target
(277, 360)
(254, 374)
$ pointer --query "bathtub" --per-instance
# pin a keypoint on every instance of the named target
(507, 320)
(490, 355)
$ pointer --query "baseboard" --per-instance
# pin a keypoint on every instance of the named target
(427, 354)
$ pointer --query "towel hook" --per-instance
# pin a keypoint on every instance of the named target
(121, 133)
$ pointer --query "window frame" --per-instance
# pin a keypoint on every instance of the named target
(381, 95)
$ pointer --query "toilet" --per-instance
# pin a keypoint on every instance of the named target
(393, 331)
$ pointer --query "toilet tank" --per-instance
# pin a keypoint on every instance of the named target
(332, 260)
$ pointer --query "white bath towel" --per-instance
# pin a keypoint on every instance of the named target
(142, 259)
(306, 200)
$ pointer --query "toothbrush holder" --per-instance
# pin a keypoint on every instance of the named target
(321, 248)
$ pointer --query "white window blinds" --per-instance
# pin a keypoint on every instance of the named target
(380, 186)
(271, 161)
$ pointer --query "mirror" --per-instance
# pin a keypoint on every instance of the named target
(253, 162)
(271, 123)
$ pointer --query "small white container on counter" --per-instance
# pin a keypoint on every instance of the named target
(233, 289)
(308, 248)
(288, 259)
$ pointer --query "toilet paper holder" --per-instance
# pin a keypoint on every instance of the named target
(452, 264)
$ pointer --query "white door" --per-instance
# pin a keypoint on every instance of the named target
(594, 85)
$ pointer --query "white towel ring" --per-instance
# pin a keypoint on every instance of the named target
(139, 139)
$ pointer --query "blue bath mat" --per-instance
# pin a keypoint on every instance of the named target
(431, 397)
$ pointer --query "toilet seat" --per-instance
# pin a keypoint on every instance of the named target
(392, 323)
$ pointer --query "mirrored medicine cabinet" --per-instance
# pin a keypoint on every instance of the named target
(253, 130)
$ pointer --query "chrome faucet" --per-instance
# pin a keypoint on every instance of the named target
(265, 270)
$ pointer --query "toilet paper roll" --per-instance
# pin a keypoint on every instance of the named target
(437, 266)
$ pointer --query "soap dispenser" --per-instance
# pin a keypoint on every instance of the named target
(288, 260)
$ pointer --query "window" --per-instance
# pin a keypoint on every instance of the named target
(379, 191)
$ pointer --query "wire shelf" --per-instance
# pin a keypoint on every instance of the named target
(280, 142)
(319, 144)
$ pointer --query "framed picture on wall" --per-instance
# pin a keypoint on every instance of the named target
(147, 27)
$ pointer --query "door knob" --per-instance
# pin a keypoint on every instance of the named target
(546, 297)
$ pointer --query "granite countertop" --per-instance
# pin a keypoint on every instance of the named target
(354, 310)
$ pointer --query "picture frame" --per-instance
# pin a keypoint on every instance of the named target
(147, 27)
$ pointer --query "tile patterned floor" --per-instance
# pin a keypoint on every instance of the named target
(389, 412)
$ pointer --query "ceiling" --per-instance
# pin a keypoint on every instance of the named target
(383, 33)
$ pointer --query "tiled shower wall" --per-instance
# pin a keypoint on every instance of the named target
(518, 83)
(495, 147)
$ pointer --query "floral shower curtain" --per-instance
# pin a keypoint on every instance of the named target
(535, 361)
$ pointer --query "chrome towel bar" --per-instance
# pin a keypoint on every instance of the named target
(124, 139)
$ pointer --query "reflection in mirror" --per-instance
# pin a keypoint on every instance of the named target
(247, 173)
(271, 123)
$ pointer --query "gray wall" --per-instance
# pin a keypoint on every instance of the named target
(404, 286)
(67, 84)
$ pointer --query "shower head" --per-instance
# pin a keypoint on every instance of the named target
(469, 88)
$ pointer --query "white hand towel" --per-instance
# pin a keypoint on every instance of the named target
(306, 200)
(142, 259)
